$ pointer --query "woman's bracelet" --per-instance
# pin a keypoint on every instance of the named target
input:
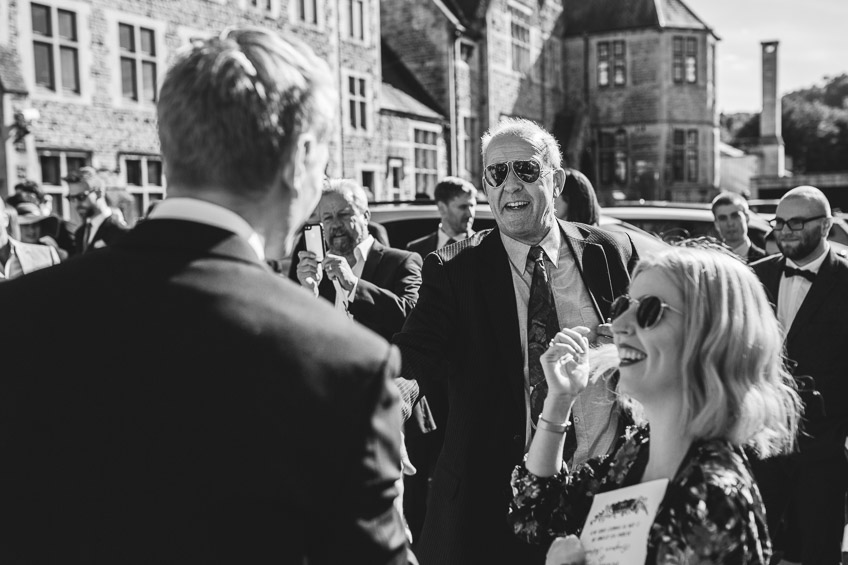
(549, 426)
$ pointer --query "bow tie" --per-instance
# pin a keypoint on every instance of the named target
(790, 272)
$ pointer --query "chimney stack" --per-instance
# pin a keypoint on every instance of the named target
(771, 140)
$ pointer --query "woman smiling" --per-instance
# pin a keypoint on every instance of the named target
(699, 353)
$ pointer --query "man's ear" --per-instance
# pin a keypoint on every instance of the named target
(559, 181)
(441, 207)
(296, 169)
(367, 215)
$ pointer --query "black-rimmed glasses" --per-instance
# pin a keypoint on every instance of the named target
(795, 224)
(649, 309)
(527, 170)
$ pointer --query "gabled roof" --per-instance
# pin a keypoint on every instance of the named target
(401, 92)
(11, 78)
(465, 10)
(603, 16)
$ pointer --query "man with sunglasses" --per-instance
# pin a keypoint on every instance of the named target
(484, 306)
(805, 493)
(100, 227)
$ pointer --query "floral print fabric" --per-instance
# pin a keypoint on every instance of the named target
(711, 513)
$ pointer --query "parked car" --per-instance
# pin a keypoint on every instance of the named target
(406, 221)
(672, 221)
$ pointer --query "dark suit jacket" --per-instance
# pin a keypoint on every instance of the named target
(817, 341)
(232, 419)
(386, 292)
(424, 245)
(108, 233)
(465, 327)
(755, 253)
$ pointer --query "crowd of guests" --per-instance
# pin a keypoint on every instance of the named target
(249, 416)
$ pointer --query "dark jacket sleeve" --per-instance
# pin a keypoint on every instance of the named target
(365, 522)
(384, 304)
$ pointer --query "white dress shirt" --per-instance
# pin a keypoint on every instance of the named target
(596, 430)
(443, 237)
(203, 212)
(793, 290)
(12, 269)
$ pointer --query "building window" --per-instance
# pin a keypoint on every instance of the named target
(426, 161)
(138, 63)
(56, 165)
(520, 32)
(691, 60)
(262, 5)
(684, 60)
(143, 177)
(619, 64)
(55, 38)
(613, 153)
(394, 178)
(356, 19)
(357, 103)
(307, 11)
(685, 155)
(603, 63)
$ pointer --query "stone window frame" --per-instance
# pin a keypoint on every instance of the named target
(267, 8)
(364, 21)
(116, 18)
(307, 13)
(362, 101)
(684, 56)
(59, 192)
(519, 17)
(394, 191)
(470, 143)
(26, 37)
(685, 162)
(614, 157)
(433, 149)
(144, 192)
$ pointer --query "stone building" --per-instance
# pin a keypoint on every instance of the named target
(82, 77)
(480, 60)
(640, 113)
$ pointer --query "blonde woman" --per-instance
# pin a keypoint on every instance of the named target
(699, 351)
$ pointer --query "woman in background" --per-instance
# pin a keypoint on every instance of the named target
(699, 350)
(578, 202)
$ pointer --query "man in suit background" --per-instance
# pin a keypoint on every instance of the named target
(18, 258)
(805, 493)
(456, 200)
(731, 215)
(248, 423)
(100, 226)
(376, 285)
(476, 325)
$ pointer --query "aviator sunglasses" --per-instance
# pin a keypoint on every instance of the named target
(649, 309)
(527, 170)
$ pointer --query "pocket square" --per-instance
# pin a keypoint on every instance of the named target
(99, 243)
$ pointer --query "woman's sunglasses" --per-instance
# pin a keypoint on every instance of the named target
(649, 310)
(527, 170)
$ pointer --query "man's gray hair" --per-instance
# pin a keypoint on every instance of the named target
(530, 132)
(232, 107)
(347, 188)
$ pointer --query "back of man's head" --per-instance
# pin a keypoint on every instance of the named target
(729, 199)
(451, 187)
(232, 107)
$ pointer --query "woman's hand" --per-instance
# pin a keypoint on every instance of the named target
(564, 363)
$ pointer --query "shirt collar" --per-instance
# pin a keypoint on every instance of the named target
(443, 237)
(361, 251)
(518, 251)
(814, 265)
(742, 250)
(204, 212)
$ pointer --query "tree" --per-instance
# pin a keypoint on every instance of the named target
(815, 127)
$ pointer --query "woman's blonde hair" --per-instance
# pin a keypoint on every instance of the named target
(734, 382)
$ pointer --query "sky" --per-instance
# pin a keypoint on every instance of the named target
(813, 37)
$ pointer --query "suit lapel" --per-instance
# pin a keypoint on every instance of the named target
(592, 264)
(495, 274)
(371, 262)
(770, 276)
(817, 295)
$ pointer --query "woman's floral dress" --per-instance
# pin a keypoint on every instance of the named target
(711, 513)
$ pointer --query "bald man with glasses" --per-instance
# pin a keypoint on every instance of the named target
(808, 282)
(487, 307)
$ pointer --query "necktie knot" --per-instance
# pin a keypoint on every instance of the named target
(536, 254)
(792, 272)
